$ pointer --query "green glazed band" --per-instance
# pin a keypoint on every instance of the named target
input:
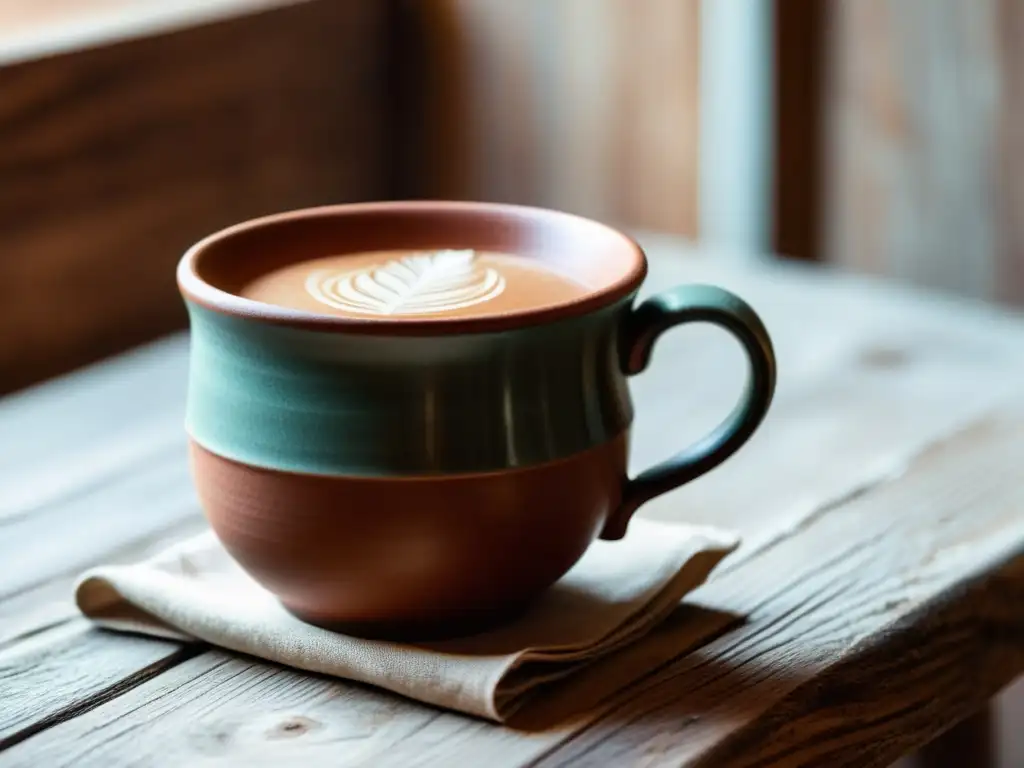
(325, 402)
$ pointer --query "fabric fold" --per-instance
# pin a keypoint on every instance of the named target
(616, 594)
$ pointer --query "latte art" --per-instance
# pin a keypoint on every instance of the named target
(418, 284)
(402, 285)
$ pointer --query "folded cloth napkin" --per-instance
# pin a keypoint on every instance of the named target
(615, 594)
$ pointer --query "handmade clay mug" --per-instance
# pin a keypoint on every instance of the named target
(430, 471)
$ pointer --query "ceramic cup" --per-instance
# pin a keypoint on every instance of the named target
(429, 475)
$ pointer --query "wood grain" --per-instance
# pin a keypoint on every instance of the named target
(585, 105)
(68, 670)
(116, 158)
(49, 602)
(924, 173)
(95, 426)
(91, 425)
(236, 710)
(879, 506)
(65, 537)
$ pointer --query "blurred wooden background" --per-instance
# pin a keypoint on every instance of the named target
(897, 136)
(899, 124)
(585, 105)
(925, 142)
(119, 151)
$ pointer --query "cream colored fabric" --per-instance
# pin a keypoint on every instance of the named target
(618, 592)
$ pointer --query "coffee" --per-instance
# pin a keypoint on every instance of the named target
(446, 283)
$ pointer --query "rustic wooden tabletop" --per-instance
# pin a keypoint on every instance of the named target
(879, 585)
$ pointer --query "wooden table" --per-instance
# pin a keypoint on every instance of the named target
(880, 583)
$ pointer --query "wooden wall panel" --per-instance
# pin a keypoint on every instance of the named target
(585, 105)
(798, 33)
(114, 159)
(925, 168)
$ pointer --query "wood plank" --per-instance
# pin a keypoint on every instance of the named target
(68, 670)
(66, 537)
(91, 424)
(901, 640)
(116, 158)
(585, 105)
(235, 710)
(96, 426)
(50, 602)
(53, 664)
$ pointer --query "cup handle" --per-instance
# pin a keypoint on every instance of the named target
(643, 326)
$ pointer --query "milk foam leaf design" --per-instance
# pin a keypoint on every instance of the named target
(412, 285)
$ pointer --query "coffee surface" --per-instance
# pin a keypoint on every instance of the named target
(408, 283)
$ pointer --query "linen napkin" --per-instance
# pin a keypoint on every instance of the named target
(613, 596)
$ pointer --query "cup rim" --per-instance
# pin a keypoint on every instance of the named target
(199, 291)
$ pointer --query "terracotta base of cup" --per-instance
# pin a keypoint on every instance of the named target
(407, 558)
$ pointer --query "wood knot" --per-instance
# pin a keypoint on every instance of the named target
(292, 728)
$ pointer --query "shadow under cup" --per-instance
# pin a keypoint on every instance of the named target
(429, 475)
